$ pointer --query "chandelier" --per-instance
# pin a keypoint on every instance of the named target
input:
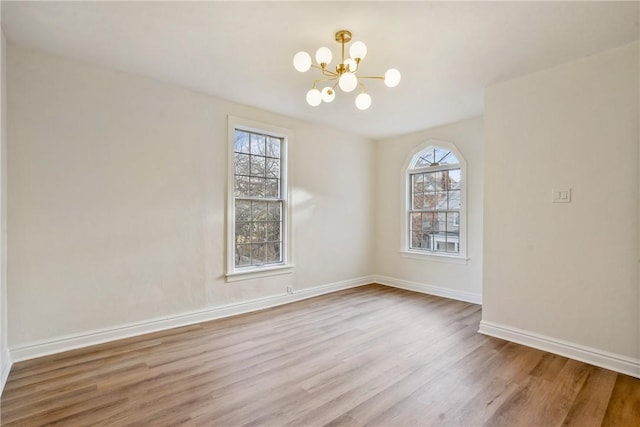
(345, 75)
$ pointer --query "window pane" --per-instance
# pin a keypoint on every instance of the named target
(272, 189)
(434, 156)
(426, 157)
(241, 186)
(440, 179)
(418, 201)
(441, 200)
(241, 140)
(444, 180)
(272, 168)
(257, 166)
(258, 232)
(243, 255)
(258, 253)
(453, 233)
(453, 222)
(430, 201)
(256, 186)
(418, 183)
(427, 241)
(258, 144)
(440, 223)
(427, 222)
(454, 179)
(243, 210)
(259, 211)
(243, 230)
(273, 231)
(242, 164)
(273, 147)
(443, 156)
(416, 221)
(429, 182)
(454, 199)
(416, 239)
(274, 211)
(273, 252)
(422, 161)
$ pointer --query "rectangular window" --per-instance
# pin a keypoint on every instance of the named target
(258, 199)
(434, 216)
(259, 209)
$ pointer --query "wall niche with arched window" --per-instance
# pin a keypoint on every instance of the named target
(434, 217)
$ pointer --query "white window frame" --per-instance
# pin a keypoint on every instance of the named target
(286, 266)
(405, 190)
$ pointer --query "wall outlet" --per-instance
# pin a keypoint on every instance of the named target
(561, 195)
(289, 290)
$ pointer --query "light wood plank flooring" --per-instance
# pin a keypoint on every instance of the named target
(367, 356)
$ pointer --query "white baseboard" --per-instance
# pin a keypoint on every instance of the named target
(429, 289)
(614, 362)
(593, 356)
(5, 369)
(99, 336)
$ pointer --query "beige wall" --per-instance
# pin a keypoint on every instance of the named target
(117, 192)
(567, 271)
(117, 195)
(391, 155)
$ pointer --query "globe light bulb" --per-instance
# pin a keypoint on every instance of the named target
(351, 63)
(323, 55)
(358, 50)
(314, 97)
(348, 82)
(363, 101)
(302, 61)
(328, 94)
(392, 77)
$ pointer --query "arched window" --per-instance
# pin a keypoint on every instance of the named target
(435, 214)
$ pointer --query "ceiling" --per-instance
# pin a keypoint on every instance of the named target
(448, 52)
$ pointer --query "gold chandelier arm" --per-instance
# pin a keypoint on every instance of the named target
(357, 65)
(371, 77)
(315, 82)
(330, 74)
(324, 71)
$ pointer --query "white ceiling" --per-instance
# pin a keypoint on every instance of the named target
(242, 51)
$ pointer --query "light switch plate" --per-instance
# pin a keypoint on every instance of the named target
(561, 195)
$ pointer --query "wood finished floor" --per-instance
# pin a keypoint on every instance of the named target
(367, 356)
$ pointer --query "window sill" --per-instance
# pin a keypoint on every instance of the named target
(434, 257)
(258, 272)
